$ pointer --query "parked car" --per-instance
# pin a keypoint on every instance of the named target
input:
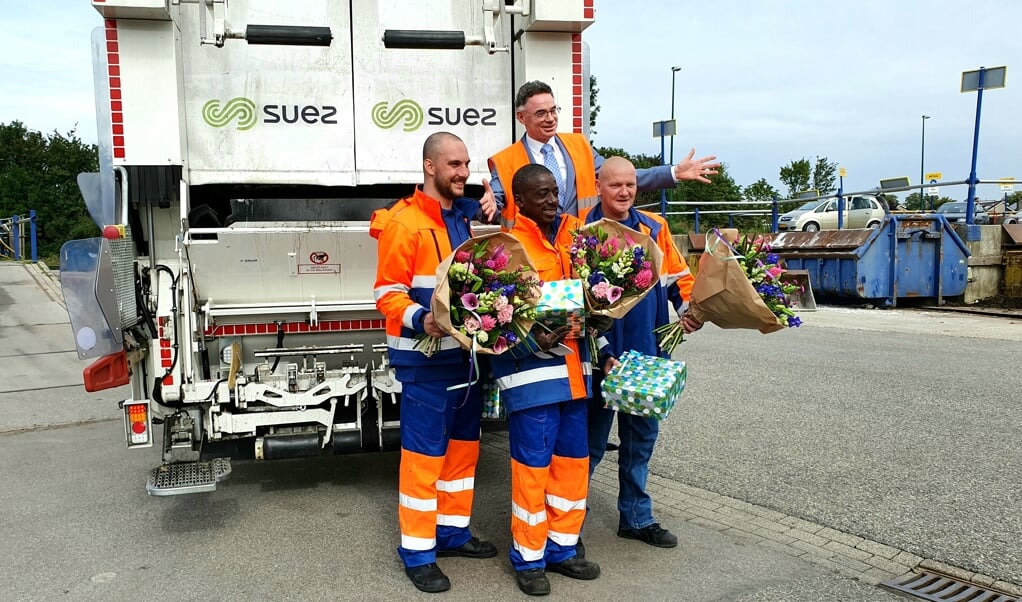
(861, 211)
(1013, 218)
(955, 212)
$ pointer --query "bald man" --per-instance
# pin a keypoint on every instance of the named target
(617, 188)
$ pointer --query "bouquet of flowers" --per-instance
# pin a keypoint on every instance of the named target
(739, 285)
(763, 272)
(485, 296)
(616, 264)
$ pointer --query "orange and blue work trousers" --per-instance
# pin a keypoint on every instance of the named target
(439, 452)
(549, 482)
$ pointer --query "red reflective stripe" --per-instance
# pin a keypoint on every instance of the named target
(291, 327)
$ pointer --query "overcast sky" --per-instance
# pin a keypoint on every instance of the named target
(762, 83)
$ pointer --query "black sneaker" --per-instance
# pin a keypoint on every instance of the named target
(533, 582)
(576, 568)
(428, 578)
(473, 548)
(654, 535)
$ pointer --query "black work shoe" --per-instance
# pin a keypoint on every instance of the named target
(428, 578)
(473, 548)
(654, 535)
(576, 568)
(580, 549)
(533, 582)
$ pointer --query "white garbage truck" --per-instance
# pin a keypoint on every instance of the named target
(243, 149)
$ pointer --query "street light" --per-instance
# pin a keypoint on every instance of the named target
(674, 72)
(922, 159)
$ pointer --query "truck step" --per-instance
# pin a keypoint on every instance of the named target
(188, 477)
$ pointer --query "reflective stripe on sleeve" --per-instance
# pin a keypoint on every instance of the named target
(410, 312)
(407, 344)
(380, 291)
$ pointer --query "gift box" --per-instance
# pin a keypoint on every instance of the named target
(493, 409)
(644, 385)
(562, 302)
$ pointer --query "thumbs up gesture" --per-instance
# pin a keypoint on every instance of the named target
(487, 202)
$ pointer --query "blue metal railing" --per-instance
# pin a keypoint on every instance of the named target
(14, 236)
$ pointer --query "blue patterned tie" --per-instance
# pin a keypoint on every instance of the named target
(550, 162)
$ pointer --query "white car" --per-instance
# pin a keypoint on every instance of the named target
(861, 211)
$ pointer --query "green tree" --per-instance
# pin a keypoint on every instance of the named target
(644, 199)
(760, 190)
(912, 202)
(594, 107)
(795, 176)
(39, 171)
(890, 199)
(723, 190)
(1014, 200)
(824, 175)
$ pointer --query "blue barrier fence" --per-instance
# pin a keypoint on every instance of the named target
(17, 233)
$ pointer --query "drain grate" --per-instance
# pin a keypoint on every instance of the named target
(940, 588)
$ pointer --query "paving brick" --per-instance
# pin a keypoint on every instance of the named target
(946, 569)
(704, 503)
(812, 538)
(875, 576)
(907, 559)
(768, 514)
(834, 566)
(848, 551)
(782, 548)
(877, 549)
(1008, 588)
(983, 580)
(886, 564)
(856, 565)
(782, 538)
(738, 515)
(834, 534)
(811, 549)
(769, 524)
(799, 523)
(739, 504)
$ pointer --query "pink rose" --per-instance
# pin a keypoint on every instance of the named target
(471, 325)
(600, 290)
(775, 271)
(487, 322)
(500, 262)
(462, 256)
(499, 302)
(490, 263)
(504, 314)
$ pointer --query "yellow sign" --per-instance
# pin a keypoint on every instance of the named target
(1009, 179)
(934, 175)
(841, 172)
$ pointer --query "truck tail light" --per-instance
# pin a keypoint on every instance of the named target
(138, 425)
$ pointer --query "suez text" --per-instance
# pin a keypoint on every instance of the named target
(326, 114)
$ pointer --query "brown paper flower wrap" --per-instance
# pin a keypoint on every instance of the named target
(723, 294)
(486, 294)
(606, 251)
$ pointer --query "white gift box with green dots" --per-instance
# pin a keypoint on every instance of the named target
(562, 302)
(644, 385)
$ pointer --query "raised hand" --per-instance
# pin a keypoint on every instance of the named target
(487, 202)
(698, 170)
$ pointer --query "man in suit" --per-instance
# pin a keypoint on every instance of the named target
(570, 158)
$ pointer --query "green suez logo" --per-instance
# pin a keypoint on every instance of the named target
(410, 115)
(242, 111)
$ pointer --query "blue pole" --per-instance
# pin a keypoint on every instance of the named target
(697, 219)
(32, 229)
(663, 158)
(730, 220)
(840, 203)
(970, 208)
(774, 215)
(16, 235)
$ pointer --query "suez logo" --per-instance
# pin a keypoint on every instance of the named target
(410, 115)
(242, 112)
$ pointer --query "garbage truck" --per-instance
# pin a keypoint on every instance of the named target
(243, 149)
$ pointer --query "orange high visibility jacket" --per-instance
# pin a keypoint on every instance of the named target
(505, 163)
(413, 240)
(554, 376)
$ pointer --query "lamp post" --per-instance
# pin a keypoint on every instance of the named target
(674, 72)
(922, 159)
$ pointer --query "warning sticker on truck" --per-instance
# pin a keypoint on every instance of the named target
(311, 268)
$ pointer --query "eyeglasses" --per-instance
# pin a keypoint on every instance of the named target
(544, 113)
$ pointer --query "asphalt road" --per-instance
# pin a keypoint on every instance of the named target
(898, 426)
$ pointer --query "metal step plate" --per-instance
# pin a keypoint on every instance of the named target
(188, 477)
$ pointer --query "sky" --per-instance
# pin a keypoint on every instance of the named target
(762, 83)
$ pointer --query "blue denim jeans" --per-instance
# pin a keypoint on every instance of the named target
(638, 436)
